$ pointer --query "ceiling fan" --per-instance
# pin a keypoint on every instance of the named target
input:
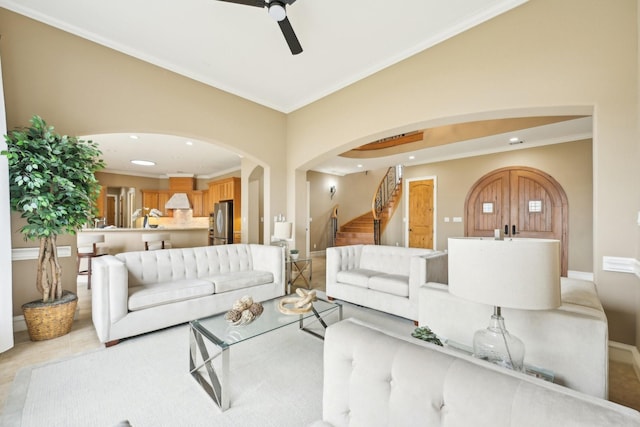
(277, 11)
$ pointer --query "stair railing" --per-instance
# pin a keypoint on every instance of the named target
(388, 186)
(333, 226)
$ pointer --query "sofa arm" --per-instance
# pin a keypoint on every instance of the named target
(341, 258)
(433, 267)
(271, 259)
(109, 293)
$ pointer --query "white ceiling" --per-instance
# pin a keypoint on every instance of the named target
(240, 49)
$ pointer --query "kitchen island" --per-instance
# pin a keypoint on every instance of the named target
(130, 239)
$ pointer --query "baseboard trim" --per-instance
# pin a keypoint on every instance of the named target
(582, 275)
(625, 353)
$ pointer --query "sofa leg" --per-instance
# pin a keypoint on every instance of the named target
(415, 323)
(330, 298)
(111, 343)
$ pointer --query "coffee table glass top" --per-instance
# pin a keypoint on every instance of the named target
(218, 330)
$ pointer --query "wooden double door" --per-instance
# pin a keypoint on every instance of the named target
(522, 202)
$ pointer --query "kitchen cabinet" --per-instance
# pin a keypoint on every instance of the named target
(156, 199)
(224, 189)
(197, 200)
(100, 202)
(163, 198)
(149, 199)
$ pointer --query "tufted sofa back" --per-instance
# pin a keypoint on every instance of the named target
(374, 379)
(390, 259)
(148, 267)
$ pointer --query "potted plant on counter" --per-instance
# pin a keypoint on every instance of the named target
(53, 186)
(294, 254)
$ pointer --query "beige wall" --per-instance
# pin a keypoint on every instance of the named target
(546, 56)
(455, 178)
(453, 181)
(353, 198)
(83, 89)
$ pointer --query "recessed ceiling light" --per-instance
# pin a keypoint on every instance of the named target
(143, 162)
(133, 136)
(412, 157)
(359, 166)
(189, 143)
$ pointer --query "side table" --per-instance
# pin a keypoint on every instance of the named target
(299, 269)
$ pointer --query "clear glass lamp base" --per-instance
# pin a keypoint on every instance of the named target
(496, 345)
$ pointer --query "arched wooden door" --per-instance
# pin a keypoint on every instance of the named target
(522, 202)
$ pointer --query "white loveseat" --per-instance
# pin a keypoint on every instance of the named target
(385, 278)
(571, 341)
(374, 379)
(143, 291)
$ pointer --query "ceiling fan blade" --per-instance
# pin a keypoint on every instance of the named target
(290, 36)
(256, 3)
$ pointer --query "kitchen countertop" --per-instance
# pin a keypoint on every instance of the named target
(145, 230)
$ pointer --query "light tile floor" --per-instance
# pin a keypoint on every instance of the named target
(624, 386)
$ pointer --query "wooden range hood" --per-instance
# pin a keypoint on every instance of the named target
(179, 199)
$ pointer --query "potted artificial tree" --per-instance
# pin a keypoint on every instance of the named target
(53, 186)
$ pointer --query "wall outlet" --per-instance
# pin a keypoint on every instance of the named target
(446, 219)
(457, 219)
(314, 246)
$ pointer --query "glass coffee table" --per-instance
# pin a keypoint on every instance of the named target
(221, 335)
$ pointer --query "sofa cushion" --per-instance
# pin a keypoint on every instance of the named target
(239, 279)
(357, 277)
(145, 296)
(394, 284)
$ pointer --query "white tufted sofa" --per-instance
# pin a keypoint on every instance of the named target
(385, 278)
(373, 379)
(138, 292)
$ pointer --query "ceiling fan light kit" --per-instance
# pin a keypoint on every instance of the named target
(277, 10)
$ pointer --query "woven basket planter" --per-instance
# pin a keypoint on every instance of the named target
(50, 320)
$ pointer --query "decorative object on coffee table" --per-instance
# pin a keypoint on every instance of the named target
(303, 303)
(294, 253)
(243, 311)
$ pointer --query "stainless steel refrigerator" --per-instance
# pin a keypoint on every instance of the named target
(223, 223)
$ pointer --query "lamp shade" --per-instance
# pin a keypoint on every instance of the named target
(513, 273)
(282, 230)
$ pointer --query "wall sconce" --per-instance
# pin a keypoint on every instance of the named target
(332, 191)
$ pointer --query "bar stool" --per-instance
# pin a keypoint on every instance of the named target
(88, 249)
(155, 241)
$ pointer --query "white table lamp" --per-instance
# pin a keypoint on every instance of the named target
(514, 273)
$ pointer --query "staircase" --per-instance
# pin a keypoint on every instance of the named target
(356, 232)
(362, 230)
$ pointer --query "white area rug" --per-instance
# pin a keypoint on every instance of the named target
(276, 381)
